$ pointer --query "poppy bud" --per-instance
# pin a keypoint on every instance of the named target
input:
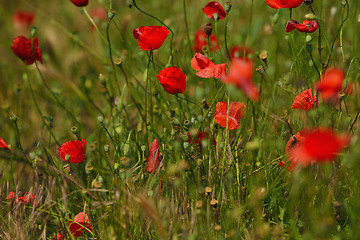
(208, 29)
(33, 31)
(310, 16)
(100, 119)
(186, 145)
(227, 7)
(106, 147)
(111, 14)
(32, 155)
(143, 148)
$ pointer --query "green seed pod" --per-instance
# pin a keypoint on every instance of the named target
(100, 119)
(74, 130)
(13, 118)
(106, 147)
(111, 14)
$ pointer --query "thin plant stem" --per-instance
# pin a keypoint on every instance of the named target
(187, 28)
(225, 37)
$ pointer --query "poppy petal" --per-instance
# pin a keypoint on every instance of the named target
(304, 101)
(150, 37)
(214, 8)
(236, 111)
(173, 80)
(3, 144)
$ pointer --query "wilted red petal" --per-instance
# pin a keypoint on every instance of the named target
(240, 74)
(236, 112)
(172, 79)
(150, 37)
(283, 3)
(22, 48)
(306, 26)
(200, 41)
(75, 148)
(304, 101)
(331, 84)
(3, 144)
(23, 18)
(213, 8)
(206, 68)
(319, 145)
(153, 161)
(80, 3)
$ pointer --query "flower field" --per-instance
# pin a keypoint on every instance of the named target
(126, 119)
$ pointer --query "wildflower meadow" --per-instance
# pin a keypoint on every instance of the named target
(128, 119)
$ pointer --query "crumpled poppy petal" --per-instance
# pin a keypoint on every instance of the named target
(236, 111)
(150, 37)
(304, 101)
(22, 48)
(200, 62)
(153, 161)
(306, 26)
(206, 68)
(173, 80)
(213, 8)
(75, 148)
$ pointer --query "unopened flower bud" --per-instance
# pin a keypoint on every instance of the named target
(208, 29)
(33, 31)
(106, 147)
(310, 16)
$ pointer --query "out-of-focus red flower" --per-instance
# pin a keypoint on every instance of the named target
(305, 101)
(80, 3)
(240, 73)
(206, 68)
(23, 19)
(150, 37)
(351, 87)
(201, 42)
(58, 236)
(153, 161)
(199, 137)
(236, 112)
(80, 223)
(26, 197)
(330, 84)
(214, 10)
(295, 139)
(172, 79)
(22, 48)
(75, 148)
(238, 52)
(306, 26)
(283, 3)
(318, 145)
(3, 144)
(98, 14)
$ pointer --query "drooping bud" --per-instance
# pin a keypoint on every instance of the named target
(208, 29)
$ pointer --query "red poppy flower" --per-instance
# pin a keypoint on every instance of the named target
(236, 112)
(284, 3)
(319, 145)
(80, 3)
(201, 42)
(306, 26)
(98, 14)
(240, 73)
(22, 48)
(80, 223)
(75, 148)
(238, 52)
(293, 141)
(23, 19)
(200, 136)
(206, 68)
(153, 161)
(3, 144)
(214, 10)
(305, 101)
(172, 79)
(330, 84)
(150, 37)
(26, 197)
(58, 236)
